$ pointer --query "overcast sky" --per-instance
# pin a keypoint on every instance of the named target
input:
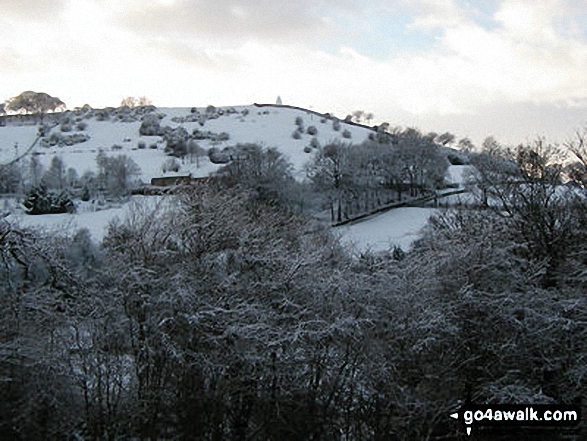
(515, 69)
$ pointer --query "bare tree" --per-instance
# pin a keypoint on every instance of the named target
(131, 101)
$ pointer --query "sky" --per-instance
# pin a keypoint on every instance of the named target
(512, 69)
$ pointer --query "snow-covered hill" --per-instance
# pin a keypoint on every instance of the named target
(116, 131)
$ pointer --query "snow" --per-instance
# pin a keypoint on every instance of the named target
(9, 135)
(267, 126)
(397, 227)
(459, 174)
(96, 222)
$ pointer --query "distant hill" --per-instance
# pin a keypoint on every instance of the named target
(77, 136)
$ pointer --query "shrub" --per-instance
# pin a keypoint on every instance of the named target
(153, 146)
(299, 121)
(53, 139)
(142, 144)
(66, 127)
(219, 157)
(116, 147)
(85, 195)
(81, 126)
(210, 109)
(245, 112)
(312, 130)
(336, 125)
(43, 201)
(346, 134)
(102, 115)
(150, 125)
(314, 143)
(296, 135)
(176, 141)
(307, 149)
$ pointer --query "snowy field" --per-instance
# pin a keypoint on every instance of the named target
(94, 218)
(401, 226)
(398, 227)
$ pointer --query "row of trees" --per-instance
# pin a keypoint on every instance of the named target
(56, 185)
(41, 102)
(359, 178)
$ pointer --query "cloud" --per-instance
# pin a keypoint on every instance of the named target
(431, 14)
(196, 52)
(33, 10)
(226, 20)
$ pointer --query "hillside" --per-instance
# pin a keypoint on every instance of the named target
(116, 131)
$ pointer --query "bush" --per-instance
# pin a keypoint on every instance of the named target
(307, 149)
(176, 141)
(346, 134)
(219, 157)
(116, 147)
(336, 125)
(66, 127)
(312, 130)
(53, 139)
(81, 126)
(151, 125)
(299, 121)
(153, 146)
(142, 144)
(102, 115)
(314, 143)
(85, 195)
(296, 135)
(43, 201)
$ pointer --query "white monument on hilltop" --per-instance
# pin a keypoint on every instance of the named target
(279, 102)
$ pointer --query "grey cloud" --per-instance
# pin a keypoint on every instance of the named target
(234, 19)
(186, 53)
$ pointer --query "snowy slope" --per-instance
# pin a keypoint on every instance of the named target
(397, 227)
(268, 126)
